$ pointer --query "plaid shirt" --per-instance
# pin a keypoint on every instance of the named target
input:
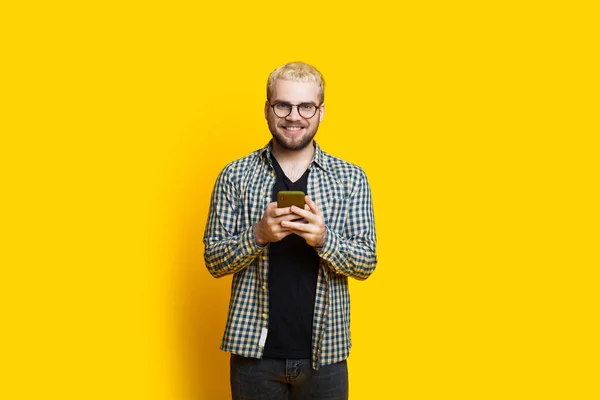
(241, 194)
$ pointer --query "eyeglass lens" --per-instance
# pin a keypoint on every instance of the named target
(306, 110)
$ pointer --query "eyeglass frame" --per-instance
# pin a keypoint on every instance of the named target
(297, 108)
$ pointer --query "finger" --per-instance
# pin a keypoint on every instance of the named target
(298, 226)
(313, 206)
(271, 207)
(288, 217)
(297, 218)
(279, 230)
(303, 213)
(278, 212)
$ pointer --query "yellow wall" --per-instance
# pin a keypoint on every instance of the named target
(476, 123)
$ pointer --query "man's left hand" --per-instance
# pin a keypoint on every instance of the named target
(312, 229)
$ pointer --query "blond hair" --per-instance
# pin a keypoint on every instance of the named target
(297, 72)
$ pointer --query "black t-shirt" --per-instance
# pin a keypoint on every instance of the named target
(293, 267)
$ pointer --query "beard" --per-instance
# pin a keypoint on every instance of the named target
(293, 144)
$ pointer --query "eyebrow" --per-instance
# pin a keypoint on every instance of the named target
(304, 102)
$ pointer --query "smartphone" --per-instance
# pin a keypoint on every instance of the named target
(288, 198)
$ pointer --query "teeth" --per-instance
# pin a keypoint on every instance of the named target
(293, 128)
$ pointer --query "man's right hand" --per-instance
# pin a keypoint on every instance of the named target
(269, 229)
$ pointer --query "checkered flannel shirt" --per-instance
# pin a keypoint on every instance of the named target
(241, 194)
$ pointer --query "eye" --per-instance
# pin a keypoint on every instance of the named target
(283, 106)
(307, 106)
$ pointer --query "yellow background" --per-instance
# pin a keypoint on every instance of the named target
(477, 125)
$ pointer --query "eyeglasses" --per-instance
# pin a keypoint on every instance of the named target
(283, 109)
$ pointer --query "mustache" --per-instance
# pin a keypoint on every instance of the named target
(293, 125)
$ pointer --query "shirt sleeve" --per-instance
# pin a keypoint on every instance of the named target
(227, 250)
(353, 253)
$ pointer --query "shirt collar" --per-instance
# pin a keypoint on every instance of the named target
(319, 158)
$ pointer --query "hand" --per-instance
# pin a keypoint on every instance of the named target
(312, 229)
(270, 229)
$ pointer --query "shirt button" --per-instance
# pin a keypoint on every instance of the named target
(264, 315)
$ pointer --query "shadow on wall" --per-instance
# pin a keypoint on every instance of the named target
(202, 302)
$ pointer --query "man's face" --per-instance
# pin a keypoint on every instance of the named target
(294, 132)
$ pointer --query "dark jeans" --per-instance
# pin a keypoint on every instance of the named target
(283, 379)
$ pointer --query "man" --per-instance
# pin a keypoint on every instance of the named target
(288, 328)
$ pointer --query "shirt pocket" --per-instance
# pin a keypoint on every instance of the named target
(336, 214)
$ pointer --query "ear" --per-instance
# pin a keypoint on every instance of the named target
(267, 106)
(321, 112)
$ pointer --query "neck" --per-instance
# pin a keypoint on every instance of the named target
(296, 157)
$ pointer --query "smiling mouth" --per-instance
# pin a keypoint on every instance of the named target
(293, 128)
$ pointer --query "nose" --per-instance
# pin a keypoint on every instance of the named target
(294, 115)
